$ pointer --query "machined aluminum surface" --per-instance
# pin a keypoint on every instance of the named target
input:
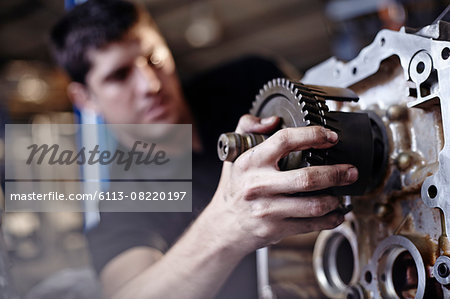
(403, 77)
(401, 226)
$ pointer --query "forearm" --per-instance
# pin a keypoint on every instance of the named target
(195, 267)
(255, 205)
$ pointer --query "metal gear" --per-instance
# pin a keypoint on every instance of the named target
(297, 105)
(361, 140)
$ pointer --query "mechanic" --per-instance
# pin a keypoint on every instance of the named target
(122, 69)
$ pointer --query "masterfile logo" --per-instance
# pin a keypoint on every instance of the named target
(58, 152)
(140, 153)
(118, 168)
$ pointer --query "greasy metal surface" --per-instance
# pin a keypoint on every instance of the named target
(333, 253)
(404, 78)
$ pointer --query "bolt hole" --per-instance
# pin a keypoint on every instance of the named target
(220, 144)
(353, 294)
(432, 191)
(368, 277)
(354, 71)
(443, 270)
(420, 67)
(383, 277)
(383, 41)
(445, 53)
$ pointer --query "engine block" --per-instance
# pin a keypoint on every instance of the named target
(394, 244)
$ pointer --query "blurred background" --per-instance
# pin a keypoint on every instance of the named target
(201, 34)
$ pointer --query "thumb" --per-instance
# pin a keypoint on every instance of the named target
(252, 124)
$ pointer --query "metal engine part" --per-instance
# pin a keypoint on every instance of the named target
(299, 105)
(394, 244)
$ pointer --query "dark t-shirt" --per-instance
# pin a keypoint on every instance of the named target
(217, 98)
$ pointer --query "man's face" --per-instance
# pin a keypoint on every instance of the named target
(134, 81)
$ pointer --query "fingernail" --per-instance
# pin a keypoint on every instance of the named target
(352, 174)
(332, 136)
(267, 120)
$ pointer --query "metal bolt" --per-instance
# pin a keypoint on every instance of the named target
(231, 145)
(397, 112)
(443, 270)
(383, 211)
(404, 161)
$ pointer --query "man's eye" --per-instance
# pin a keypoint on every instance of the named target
(120, 75)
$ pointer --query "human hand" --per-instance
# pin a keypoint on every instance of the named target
(255, 203)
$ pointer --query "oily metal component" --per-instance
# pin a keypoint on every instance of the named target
(441, 270)
(401, 226)
(397, 270)
(298, 105)
(401, 63)
(355, 292)
(335, 261)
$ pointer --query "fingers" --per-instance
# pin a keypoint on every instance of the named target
(301, 180)
(295, 226)
(295, 139)
(294, 207)
(252, 124)
(315, 178)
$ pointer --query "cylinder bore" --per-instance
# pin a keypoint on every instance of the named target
(335, 261)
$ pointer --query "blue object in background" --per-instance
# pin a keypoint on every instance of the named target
(69, 4)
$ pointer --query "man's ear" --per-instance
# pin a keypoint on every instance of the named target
(80, 96)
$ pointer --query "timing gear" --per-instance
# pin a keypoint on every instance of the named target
(362, 141)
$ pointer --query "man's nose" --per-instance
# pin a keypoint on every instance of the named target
(148, 81)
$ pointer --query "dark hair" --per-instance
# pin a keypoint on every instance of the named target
(91, 25)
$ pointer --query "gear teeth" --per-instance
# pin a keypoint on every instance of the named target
(257, 99)
(312, 110)
(315, 158)
(315, 119)
(308, 99)
(323, 106)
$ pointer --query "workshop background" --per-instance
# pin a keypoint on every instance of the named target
(201, 34)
